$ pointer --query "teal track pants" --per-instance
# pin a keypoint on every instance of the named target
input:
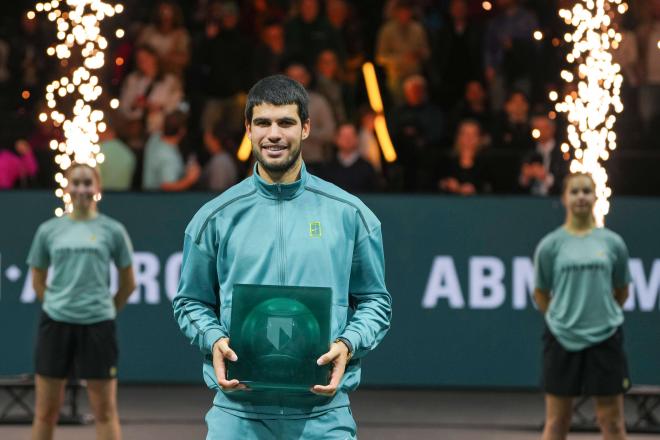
(336, 424)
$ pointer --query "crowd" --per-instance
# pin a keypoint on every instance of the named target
(465, 85)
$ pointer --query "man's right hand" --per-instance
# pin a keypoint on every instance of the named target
(221, 351)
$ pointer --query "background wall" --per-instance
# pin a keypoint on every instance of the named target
(459, 271)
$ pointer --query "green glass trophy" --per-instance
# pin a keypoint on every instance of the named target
(278, 333)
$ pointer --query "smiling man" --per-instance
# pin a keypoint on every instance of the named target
(283, 226)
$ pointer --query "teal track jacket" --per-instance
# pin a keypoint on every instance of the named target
(307, 233)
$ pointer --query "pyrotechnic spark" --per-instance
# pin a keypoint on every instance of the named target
(70, 99)
(590, 108)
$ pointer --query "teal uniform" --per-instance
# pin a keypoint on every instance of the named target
(581, 272)
(80, 253)
(307, 233)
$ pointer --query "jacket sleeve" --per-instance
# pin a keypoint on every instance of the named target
(368, 295)
(197, 302)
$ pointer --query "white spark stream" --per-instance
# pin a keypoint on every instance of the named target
(597, 81)
(80, 49)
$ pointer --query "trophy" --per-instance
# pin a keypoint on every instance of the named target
(278, 333)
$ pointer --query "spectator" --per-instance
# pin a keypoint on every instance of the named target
(465, 173)
(225, 63)
(258, 15)
(457, 54)
(368, 144)
(29, 67)
(417, 131)
(474, 105)
(220, 172)
(349, 170)
(648, 36)
(509, 51)
(147, 95)
(543, 169)
(163, 165)
(513, 130)
(17, 163)
(330, 84)
(347, 24)
(118, 168)
(320, 114)
(270, 54)
(402, 47)
(168, 36)
(309, 32)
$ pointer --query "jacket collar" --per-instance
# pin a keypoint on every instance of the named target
(284, 191)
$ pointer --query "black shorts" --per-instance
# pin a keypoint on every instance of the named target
(82, 351)
(599, 370)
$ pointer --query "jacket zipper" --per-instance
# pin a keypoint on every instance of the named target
(280, 226)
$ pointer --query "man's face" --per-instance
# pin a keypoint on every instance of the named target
(276, 133)
(273, 37)
(346, 139)
(298, 73)
(546, 129)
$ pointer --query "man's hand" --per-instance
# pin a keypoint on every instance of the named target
(221, 351)
(338, 355)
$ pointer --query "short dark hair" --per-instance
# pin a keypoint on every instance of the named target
(278, 90)
(174, 123)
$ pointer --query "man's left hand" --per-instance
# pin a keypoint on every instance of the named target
(338, 355)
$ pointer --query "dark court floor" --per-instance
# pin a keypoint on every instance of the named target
(177, 412)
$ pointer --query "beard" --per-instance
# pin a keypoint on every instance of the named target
(279, 167)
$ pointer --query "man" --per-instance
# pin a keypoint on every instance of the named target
(163, 164)
(349, 170)
(543, 169)
(283, 226)
(418, 131)
(318, 143)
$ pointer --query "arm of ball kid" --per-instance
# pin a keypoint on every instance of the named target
(39, 277)
(126, 287)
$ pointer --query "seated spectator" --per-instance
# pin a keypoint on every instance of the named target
(367, 141)
(224, 60)
(270, 53)
(402, 47)
(147, 96)
(309, 32)
(347, 24)
(330, 84)
(456, 55)
(474, 105)
(509, 50)
(17, 163)
(168, 36)
(648, 35)
(118, 166)
(317, 145)
(512, 129)
(418, 130)
(258, 15)
(220, 172)
(543, 168)
(349, 171)
(465, 173)
(163, 165)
